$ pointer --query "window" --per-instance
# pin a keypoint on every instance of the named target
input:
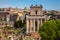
(36, 12)
(29, 26)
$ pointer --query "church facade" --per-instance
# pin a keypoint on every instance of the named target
(35, 18)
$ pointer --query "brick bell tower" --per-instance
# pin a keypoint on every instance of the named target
(35, 18)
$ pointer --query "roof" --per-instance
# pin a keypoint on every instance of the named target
(34, 6)
(4, 12)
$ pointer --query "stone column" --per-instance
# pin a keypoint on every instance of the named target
(30, 25)
(32, 30)
(38, 24)
(34, 25)
(27, 26)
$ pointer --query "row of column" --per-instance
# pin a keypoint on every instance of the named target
(31, 25)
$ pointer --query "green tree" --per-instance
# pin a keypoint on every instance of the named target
(17, 32)
(19, 24)
(58, 30)
(7, 27)
(48, 30)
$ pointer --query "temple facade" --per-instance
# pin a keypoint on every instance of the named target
(35, 19)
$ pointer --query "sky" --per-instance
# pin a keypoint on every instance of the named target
(47, 4)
